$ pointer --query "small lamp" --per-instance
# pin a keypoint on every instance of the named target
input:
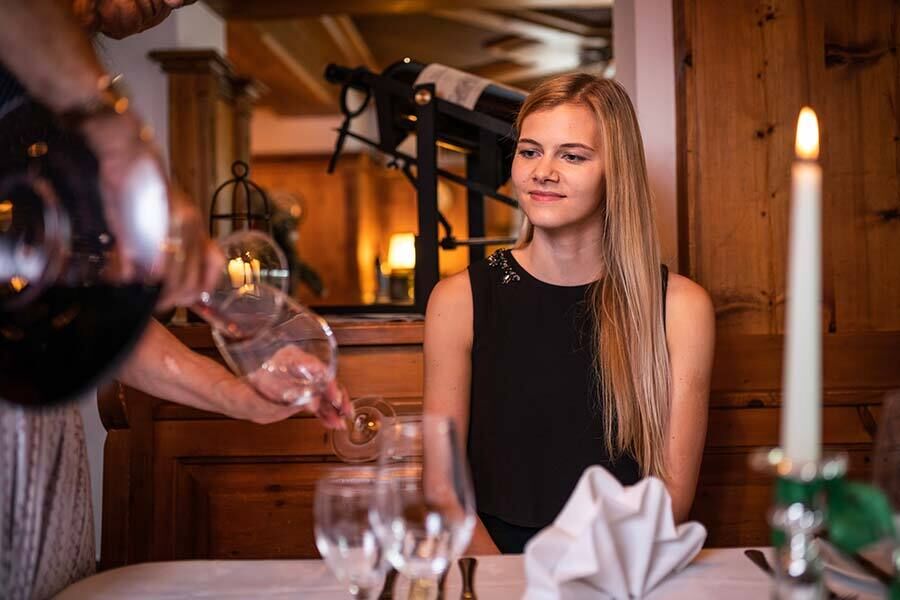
(402, 264)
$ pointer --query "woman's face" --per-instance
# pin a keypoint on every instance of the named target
(558, 170)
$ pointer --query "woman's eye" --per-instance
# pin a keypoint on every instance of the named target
(573, 158)
(527, 153)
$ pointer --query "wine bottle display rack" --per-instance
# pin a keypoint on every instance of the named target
(484, 133)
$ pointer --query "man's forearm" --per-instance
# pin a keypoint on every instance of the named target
(164, 367)
(66, 72)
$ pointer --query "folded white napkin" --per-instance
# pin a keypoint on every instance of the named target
(609, 541)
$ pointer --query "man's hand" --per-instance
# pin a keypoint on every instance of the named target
(164, 367)
(194, 263)
(236, 398)
(290, 373)
(120, 18)
(148, 215)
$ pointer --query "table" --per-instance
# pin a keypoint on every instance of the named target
(715, 573)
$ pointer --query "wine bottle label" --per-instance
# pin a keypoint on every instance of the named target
(452, 85)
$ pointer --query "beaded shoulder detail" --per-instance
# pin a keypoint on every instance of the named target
(500, 260)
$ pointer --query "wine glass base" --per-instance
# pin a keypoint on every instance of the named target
(359, 443)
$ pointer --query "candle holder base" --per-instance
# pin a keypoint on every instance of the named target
(797, 516)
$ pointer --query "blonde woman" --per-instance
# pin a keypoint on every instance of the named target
(577, 347)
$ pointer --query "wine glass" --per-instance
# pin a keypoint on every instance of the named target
(251, 291)
(284, 350)
(424, 505)
(345, 535)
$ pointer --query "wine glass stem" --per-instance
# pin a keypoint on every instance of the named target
(360, 594)
(423, 589)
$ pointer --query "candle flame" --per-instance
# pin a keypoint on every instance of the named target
(807, 144)
(18, 283)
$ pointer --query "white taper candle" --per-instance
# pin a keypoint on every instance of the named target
(801, 413)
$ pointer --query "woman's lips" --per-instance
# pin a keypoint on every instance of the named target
(541, 196)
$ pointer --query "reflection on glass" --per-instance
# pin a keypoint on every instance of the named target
(345, 535)
(424, 509)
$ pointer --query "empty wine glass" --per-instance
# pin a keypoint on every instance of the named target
(285, 351)
(424, 506)
(345, 535)
(251, 290)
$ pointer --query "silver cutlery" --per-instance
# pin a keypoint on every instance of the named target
(467, 567)
(387, 592)
(759, 559)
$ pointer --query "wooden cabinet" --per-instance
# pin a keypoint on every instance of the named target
(181, 484)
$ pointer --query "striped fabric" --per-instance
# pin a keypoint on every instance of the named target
(46, 523)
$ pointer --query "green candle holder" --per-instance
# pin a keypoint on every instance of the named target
(798, 515)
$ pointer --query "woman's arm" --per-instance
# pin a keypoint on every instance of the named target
(690, 336)
(448, 371)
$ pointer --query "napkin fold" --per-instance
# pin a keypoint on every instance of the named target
(609, 541)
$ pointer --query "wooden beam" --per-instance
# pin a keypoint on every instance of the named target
(509, 23)
(288, 94)
(540, 50)
(343, 31)
(286, 9)
(555, 21)
(315, 85)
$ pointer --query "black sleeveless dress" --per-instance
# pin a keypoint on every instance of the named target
(535, 423)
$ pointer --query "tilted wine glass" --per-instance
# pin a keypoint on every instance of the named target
(286, 351)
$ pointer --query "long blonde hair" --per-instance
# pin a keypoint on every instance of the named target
(627, 303)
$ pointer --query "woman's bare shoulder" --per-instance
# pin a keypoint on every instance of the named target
(452, 293)
(449, 312)
(688, 305)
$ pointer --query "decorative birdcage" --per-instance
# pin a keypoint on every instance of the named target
(249, 208)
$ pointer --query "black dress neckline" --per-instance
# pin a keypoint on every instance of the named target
(517, 266)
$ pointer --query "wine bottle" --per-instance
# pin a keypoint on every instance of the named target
(66, 319)
(466, 90)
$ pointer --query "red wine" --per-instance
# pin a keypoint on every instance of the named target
(63, 325)
(67, 339)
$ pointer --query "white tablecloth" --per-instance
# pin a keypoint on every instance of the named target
(718, 573)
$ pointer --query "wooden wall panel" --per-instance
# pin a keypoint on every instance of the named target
(326, 233)
(182, 483)
(743, 71)
(746, 68)
(858, 90)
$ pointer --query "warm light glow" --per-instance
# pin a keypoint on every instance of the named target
(6, 215)
(37, 149)
(402, 252)
(243, 271)
(18, 283)
(236, 272)
(807, 145)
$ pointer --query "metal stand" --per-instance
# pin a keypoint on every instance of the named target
(481, 178)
